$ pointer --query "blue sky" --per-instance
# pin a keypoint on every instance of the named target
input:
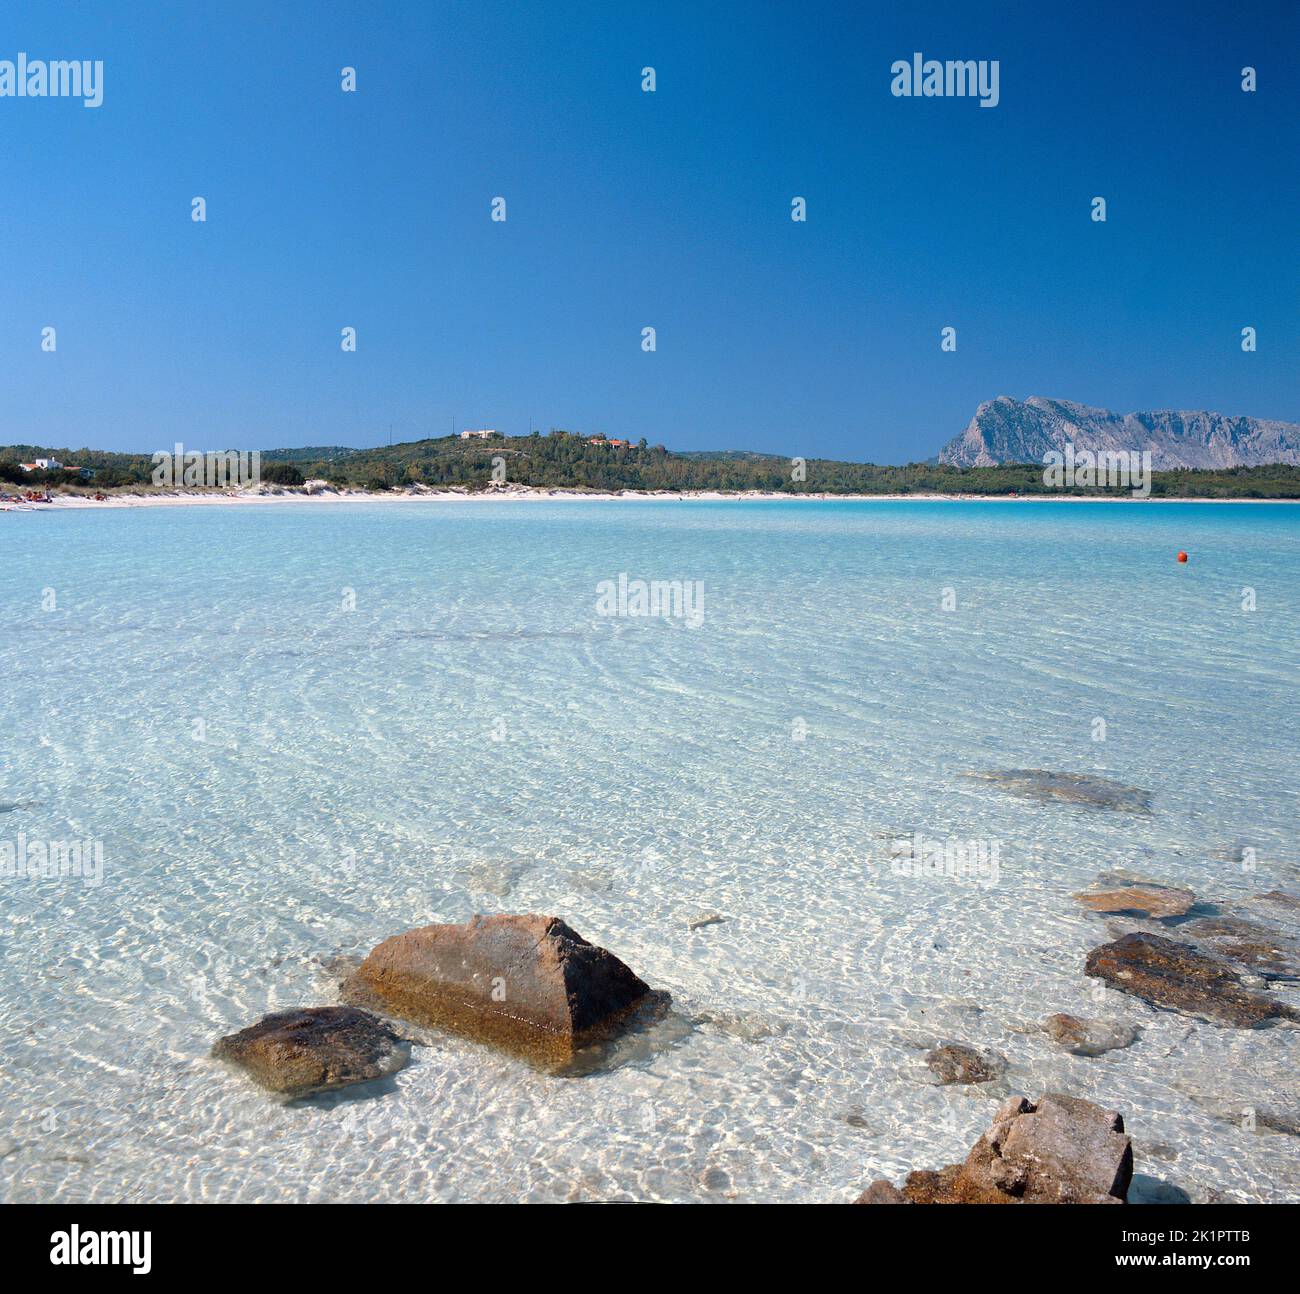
(628, 209)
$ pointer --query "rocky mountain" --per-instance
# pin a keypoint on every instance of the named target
(1022, 431)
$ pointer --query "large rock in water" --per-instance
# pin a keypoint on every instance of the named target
(529, 984)
(1182, 978)
(1062, 1150)
(294, 1053)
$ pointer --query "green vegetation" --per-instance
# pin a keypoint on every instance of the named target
(109, 470)
(281, 473)
(566, 460)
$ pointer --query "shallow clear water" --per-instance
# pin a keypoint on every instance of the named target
(280, 773)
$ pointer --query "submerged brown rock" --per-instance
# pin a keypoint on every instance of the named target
(1182, 978)
(294, 1053)
(1082, 789)
(1062, 1150)
(1144, 897)
(1084, 1037)
(1282, 898)
(956, 1063)
(1258, 948)
(529, 984)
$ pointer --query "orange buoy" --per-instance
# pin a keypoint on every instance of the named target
(1182, 557)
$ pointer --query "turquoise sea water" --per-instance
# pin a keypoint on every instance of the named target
(297, 729)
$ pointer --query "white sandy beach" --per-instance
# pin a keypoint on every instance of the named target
(515, 493)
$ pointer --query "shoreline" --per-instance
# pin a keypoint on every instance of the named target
(525, 493)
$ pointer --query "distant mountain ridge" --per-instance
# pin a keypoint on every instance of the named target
(1005, 430)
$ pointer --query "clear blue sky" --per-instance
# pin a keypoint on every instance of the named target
(628, 209)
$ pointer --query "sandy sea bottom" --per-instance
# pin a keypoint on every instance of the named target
(294, 731)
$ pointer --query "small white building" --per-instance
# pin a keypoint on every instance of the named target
(485, 434)
(44, 464)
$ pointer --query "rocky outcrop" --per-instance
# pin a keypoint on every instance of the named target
(1006, 430)
(1143, 897)
(1083, 1037)
(1045, 787)
(956, 1063)
(1061, 1150)
(528, 984)
(1181, 978)
(294, 1053)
